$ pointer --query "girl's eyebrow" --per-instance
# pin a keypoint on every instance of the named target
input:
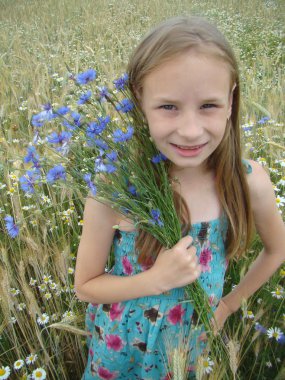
(164, 99)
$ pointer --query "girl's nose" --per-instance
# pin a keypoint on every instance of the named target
(190, 126)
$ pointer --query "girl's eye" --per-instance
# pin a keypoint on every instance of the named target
(209, 105)
(168, 107)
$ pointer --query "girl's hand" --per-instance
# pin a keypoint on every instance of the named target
(220, 316)
(176, 267)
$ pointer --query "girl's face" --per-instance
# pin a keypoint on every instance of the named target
(186, 102)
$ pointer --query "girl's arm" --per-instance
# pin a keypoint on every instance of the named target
(173, 268)
(271, 230)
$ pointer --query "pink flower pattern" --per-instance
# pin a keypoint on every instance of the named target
(114, 342)
(116, 311)
(105, 374)
(127, 266)
(175, 314)
(205, 258)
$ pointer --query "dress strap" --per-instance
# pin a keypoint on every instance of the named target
(247, 166)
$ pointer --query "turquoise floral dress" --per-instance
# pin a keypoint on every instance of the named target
(135, 339)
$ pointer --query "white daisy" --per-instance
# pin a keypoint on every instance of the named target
(45, 199)
(248, 314)
(22, 306)
(42, 287)
(13, 320)
(274, 332)
(278, 293)
(19, 364)
(70, 270)
(68, 316)
(4, 372)
(14, 292)
(280, 201)
(53, 286)
(31, 358)
(268, 364)
(262, 161)
(43, 319)
(47, 296)
(207, 365)
(39, 374)
(281, 181)
(47, 279)
(32, 282)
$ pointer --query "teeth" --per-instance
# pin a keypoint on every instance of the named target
(186, 147)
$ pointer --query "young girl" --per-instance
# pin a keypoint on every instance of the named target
(184, 77)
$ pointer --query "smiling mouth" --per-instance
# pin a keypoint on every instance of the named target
(189, 147)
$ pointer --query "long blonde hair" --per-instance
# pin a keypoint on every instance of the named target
(168, 40)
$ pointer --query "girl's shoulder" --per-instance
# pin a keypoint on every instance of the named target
(259, 183)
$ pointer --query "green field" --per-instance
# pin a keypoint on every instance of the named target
(40, 41)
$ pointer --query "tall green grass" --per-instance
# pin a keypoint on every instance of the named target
(38, 40)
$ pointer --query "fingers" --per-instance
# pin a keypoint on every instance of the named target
(184, 243)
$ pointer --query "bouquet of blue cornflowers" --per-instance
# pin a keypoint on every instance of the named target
(112, 155)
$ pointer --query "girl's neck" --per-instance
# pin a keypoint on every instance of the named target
(190, 176)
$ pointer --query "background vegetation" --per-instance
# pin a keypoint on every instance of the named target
(38, 41)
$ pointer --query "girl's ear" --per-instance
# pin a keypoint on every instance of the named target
(231, 101)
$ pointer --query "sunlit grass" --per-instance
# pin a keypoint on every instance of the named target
(38, 41)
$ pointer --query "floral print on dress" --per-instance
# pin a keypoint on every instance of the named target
(128, 268)
(205, 259)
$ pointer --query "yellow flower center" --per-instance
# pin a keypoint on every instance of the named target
(275, 335)
(124, 129)
(38, 374)
(205, 364)
(2, 371)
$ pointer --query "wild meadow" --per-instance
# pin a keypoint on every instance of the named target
(41, 42)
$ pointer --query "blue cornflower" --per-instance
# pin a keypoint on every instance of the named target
(158, 158)
(95, 128)
(47, 107)
(11, 226)
(263, 120)
(90, 183)
(69, 126)
(121, 135)
(84, 97)
(281, 339)
(62, 110)
(59, 138)
(103, 93)
(32, 155)
(86, 76)
(121, 82)
(57, 172)
(132, 190)
(112, 156)
(39, 119)
(260, 328)
(155, 217)
(102, 167)
(126, 105)
(101, 144)
(28, 180)
(76, 118)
